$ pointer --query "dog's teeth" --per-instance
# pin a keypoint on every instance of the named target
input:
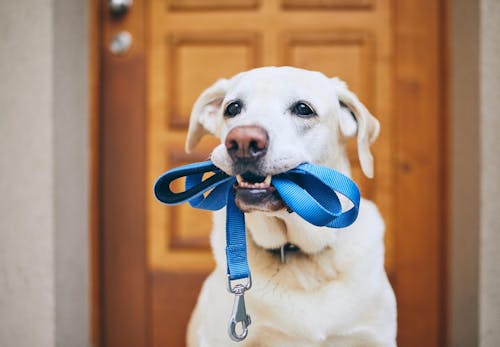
(267, 181)
(239, 179)
(261, 185)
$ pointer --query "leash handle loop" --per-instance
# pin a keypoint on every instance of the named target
(321, 205)
(195, 186)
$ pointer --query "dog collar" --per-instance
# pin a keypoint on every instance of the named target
(308, 190)
(283, 250)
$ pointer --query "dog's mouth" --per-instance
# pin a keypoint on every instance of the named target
(256, 193)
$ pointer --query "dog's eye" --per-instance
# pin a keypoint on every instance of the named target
(302, 109)
(233, 109)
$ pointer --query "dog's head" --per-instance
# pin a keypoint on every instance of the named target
(271, 119)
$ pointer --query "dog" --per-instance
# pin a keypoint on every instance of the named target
(331, 289)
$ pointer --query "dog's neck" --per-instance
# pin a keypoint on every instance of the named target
(310, 271)
(310, 259)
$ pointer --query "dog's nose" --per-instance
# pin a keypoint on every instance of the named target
(248, 142)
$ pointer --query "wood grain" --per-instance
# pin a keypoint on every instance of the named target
(215, 5)
(419, 191)
(125, 305)
(188, 53)
(173, 298)
(327, 4)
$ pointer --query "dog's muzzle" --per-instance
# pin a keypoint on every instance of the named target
(247, 146)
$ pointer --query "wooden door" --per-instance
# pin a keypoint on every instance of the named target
(154, 258)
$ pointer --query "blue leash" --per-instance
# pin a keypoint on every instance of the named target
(308, 190)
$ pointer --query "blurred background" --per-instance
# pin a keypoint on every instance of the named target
(95, 98)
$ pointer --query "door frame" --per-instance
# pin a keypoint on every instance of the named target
(119, 290)
(120, 286)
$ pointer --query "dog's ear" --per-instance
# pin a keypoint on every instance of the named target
(355, 118)
(203, 118)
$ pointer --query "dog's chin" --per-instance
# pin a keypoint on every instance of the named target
(258, 199)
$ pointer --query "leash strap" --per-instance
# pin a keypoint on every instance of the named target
(308, 190)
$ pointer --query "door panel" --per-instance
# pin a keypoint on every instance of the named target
(183, 46)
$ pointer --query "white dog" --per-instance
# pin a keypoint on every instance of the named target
(332, 289)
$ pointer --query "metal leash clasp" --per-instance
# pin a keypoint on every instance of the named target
(239, 314)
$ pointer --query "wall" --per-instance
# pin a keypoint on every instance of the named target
(464, 236)
(70, 127)
(489, 240)
(43, 174)
(475, 186)
(27, 305)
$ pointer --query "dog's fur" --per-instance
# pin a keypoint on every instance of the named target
(335, 292)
